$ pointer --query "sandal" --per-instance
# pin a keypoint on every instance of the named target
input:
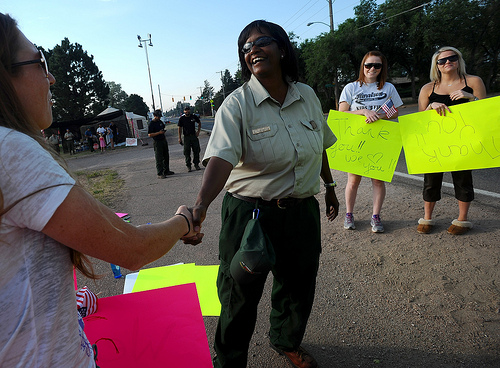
(425, 226)
(459, 227)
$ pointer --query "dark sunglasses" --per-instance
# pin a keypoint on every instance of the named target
(41, 61)
(451, 58)
(373, 65)
(259, 42)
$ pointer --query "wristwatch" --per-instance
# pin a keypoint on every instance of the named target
(330, 185)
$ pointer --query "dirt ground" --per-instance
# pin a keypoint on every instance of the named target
(397, 299)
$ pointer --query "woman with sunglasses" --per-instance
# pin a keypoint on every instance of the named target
(450, 85)
(47, 222)
(365, 96)
(267, 149)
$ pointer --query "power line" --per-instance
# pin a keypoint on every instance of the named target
(286, 24)
(395, 15)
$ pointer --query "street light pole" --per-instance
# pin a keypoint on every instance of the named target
(330, 5)
(222, 81)
(336, 75)
(141, 41)
(159, 94)
(202, 105)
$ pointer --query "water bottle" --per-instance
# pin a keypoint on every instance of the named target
(116, 271)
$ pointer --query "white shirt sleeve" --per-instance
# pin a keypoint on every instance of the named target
(31, 177)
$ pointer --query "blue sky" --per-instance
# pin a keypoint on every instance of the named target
(192, 40)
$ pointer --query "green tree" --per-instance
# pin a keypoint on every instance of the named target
(134, 103)
(80, 89)
(402, 39)
(228, 86)
(117, 96)
(207, 94)
(490, 46)
(479, 39)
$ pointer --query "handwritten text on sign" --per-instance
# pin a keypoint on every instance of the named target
(370, 150)
(465, 139)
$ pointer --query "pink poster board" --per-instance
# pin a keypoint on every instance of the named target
(155, 328)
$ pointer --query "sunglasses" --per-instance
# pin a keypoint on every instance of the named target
(373, 65)
(41, 61)
(451, 58)
(259, 42)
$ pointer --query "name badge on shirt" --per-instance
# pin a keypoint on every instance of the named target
(261, 130)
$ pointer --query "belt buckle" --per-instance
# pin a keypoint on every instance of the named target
(282, 203)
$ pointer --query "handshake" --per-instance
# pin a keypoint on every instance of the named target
(194, 217)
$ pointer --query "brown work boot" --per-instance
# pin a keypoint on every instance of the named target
(299, 358)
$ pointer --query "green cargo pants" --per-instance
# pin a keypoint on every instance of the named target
(296, 238)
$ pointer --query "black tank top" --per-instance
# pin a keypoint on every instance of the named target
(434, 97)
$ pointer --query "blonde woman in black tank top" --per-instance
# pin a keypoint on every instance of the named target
(449, 85)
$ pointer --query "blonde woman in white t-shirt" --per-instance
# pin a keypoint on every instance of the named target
(365, 96)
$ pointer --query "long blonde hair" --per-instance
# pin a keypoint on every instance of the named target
(13, 116)
(435, 74)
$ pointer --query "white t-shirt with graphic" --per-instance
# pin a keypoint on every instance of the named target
(39, 324)
(367, 96)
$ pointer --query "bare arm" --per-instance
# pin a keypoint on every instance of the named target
(155, 134)
(86, 225)
(478, 88)
(370, 115)
(423, 97)
(214, 179)
(332, 203)
(199, 127)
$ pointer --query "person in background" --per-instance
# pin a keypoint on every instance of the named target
(69, 140)
(267, 149)
(48, 222)
(90, 139)
(102, 143)
(54, 142)
(101, 130)
(450, 85)
(156, 131)
(110, 137)
(366, 96)
(114, 130)
(187, 127)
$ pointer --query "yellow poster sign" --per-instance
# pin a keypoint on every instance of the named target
(370, 150)
(465, 139)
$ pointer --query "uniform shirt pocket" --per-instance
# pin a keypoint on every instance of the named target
(312, 130)
(264, 145)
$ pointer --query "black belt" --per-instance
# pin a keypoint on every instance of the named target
(282, 203)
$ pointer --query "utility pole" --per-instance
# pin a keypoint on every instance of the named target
(141, 41)
(202, 104)
(336, 75)
(330, 5)
(161, 105)
(222, 80)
